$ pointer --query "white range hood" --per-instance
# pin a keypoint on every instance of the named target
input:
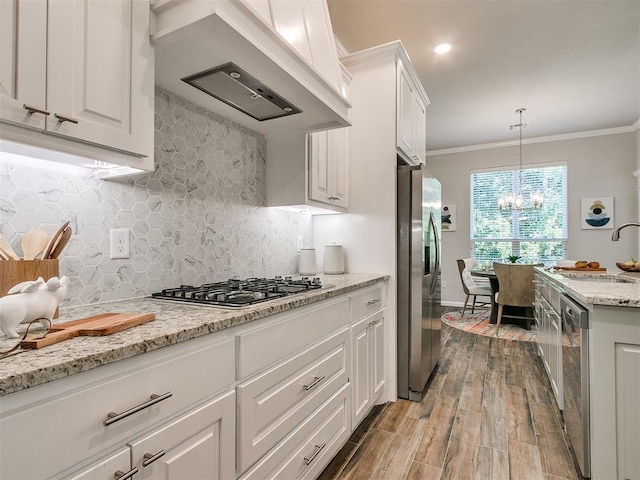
(193, 36)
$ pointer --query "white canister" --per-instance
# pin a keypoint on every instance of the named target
(333, 260)
(308, 263)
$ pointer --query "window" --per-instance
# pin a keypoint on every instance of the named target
(535, 235)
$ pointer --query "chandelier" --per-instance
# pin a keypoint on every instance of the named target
(515, 200)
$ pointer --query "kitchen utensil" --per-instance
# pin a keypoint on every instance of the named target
(64, 239)
(333, 260)
(7, 250)
(98, 325)
(55, 238)
(308, 264)
(33, 243)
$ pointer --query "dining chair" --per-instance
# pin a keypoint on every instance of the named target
(470, 287)
(516, 290)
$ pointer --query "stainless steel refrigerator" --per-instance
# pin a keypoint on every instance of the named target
(418, 279)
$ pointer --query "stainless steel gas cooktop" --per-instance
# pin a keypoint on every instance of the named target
(235, 293)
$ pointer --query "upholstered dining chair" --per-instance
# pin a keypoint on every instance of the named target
(516, 290)
(465, 265)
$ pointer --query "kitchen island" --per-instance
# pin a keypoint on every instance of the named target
(267, 391)
(603, 355)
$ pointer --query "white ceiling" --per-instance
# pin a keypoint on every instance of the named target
(574, 65)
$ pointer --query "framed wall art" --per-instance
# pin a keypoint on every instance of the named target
(448, 217)
(597, 213)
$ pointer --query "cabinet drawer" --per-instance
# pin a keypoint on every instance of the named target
(367, 301)
(277, 340)
(68, 415)
(273, 404)
(324, 433)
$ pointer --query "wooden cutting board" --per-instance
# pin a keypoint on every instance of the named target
(98, 325)
(586, 269)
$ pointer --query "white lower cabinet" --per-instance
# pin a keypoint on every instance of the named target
(628, 418)
(368, 344)
(549, 324)
(199, 444)
(267, 399)
(368, 364)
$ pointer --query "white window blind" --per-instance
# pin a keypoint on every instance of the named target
(536, 235)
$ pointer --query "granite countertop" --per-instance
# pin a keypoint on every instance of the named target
(174, 323)
(598, 288)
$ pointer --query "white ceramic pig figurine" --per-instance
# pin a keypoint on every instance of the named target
(29, 301)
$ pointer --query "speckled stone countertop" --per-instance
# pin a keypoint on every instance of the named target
(174, 323)
(599, 288)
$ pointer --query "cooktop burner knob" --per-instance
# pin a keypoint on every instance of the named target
(315, 281)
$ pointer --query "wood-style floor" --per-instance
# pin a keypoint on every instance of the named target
(488, 414)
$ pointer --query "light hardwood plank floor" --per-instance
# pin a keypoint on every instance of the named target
(488, 414)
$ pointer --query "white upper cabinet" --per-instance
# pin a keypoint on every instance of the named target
(328, 167)
(385, 78)
(411, 132)
(23, 61)
(81, 70)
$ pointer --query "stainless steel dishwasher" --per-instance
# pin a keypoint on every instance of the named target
(575, 374)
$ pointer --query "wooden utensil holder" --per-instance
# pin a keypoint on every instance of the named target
(13, 272)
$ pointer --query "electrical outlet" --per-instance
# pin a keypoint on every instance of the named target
(444, 284)
(119, 243)
(299, 243)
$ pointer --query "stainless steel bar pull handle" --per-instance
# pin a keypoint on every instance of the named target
(149, 458)
(120, 475)
(113, 417)
(373, 302)
(308, 460)
(64, 118)
(33, 110)
(316, 380)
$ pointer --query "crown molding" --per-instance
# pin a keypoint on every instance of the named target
(545, 139)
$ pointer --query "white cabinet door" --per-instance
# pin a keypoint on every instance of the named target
(99, 66)
(339, 165)
(107, 469)
(23, 47)
(555, 356)
(328, 167)
(361, 346)
(420, 125)
(200, 444)
(378, 360)
(404, 120)
(628, 412)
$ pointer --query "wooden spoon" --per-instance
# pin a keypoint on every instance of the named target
(64, 239)
(54, 240)
(34, 242)
(7, 250)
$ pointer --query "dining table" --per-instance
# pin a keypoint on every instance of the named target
(508, 311)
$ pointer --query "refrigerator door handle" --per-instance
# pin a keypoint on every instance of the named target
(434, 276)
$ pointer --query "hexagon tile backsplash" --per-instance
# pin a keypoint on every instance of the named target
(199, 217)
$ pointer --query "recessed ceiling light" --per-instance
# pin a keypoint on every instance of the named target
(442, 48)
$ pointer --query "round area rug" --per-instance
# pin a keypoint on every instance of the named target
(478, 323)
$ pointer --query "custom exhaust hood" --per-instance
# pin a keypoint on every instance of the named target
(220, 56)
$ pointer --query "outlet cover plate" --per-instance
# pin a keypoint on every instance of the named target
(119, 243)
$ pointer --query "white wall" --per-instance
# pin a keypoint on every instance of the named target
(596, 166)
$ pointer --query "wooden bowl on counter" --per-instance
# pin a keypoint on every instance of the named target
(627, 268)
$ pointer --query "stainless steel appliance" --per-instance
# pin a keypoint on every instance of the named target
(575, 380)
(235, 293)
(418, 279)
